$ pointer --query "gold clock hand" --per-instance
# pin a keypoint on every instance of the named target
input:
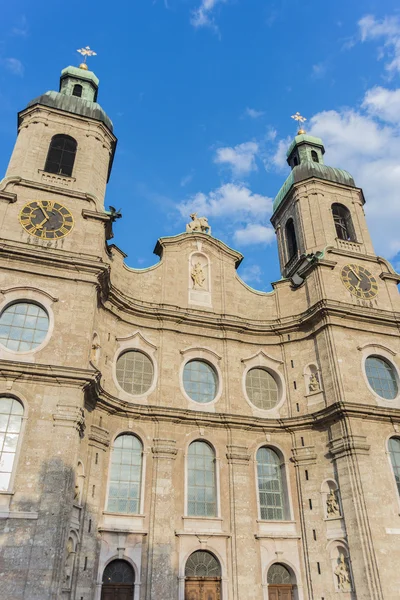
(43, 211)
(354, 273)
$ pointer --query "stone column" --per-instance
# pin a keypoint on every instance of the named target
(245, 559)
(162, 568)
(350, 452)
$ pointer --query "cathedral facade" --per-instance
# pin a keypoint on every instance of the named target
(170, 433)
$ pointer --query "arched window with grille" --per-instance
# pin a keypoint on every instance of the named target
(314, 156)
(291, 240)
(271, 485)
(343, 223)
(394, 452)
(11, 416)
(201, 480)
(125, 481)
(118, 581)
(77, 90)
(61, 155)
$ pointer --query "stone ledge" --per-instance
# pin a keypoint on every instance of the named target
(19, 515)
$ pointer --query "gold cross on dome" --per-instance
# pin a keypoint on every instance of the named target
(85, 53)
(300, 120)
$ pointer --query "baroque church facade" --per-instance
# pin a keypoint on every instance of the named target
(170, 433)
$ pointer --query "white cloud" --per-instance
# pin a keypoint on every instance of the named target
(253, 113)
(254, 233)
(251, 273)
(319, 70)
(22, 28)
(186, 179)
(14, 65)
(387, 30)
(279, 157)
(232, 201)
(369, 150)
(202, 16)
(383, 104)
(241, 158)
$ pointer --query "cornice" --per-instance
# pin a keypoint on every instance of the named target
(42, 186)
(67, 376)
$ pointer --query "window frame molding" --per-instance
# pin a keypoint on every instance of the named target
(6, 495)
(141, 438)
(288, 505)
(49, 147)
(201, 354)
(217, 462)
(262, 360)
(380, 351)
(351, 230)
(135, 342)
(29, 295)
(393, 434)
(211, 547)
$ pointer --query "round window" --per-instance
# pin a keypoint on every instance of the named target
(381, 377)
(262, 388)
(134, 372)
(200, 381)
(23, 326)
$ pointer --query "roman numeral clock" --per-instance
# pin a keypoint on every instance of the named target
(359, 281)
(46, 219)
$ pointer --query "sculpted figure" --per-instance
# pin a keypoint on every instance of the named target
(332, 505)
(77, 493)
(69, 562)
(197, 275)
(198, 224)
(313, 384)
(343, 574)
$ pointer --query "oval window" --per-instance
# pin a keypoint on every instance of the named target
(23, 326)
(262, 388)
(200, 381)
(134, 372)
(381, 377)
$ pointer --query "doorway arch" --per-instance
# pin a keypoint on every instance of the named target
(118, 581)
(202, 576)
(280, 582)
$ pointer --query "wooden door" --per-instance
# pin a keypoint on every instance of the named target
(280, 592)
(202, 588)
(116, 591)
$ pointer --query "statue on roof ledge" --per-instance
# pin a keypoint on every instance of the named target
(198, 224)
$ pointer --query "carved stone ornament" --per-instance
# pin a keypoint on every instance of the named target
(332, 505)
(342, 573)
(197, 275)
(313, 384)
(198, 224)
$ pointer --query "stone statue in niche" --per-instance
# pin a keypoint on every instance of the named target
(197, 275)
(77, 493)
(95, 349)
(313, 384)
(69, 563)
(198, 224)
(332, 505)
(342, 573)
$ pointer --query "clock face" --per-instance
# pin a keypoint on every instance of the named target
(46, 219)
(359, 281)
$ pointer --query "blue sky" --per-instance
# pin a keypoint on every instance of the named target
(201, 93)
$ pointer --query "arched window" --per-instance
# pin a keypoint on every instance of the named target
(343, 223)
(125, 475)
(77, 91)
(118, 580)
(11, 414)
(314, 156)
(201, 481)
(295, 161)
(202, 564)
(270, 486)
(394, 451)
(61, 155)
(278, 575)
(291, 240)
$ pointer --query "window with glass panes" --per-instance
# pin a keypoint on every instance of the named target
(200, 381)
(201, 484)
(270, 485)
(381, 377)
(262, 389)
(134, 372)
(394, 451)
(23, 326)
(11, 414)
(61, 155)
(125, 475)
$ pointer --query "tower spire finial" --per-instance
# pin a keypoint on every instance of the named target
(86, 52)
(300, 120)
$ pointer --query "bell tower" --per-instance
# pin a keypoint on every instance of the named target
(318, 207)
